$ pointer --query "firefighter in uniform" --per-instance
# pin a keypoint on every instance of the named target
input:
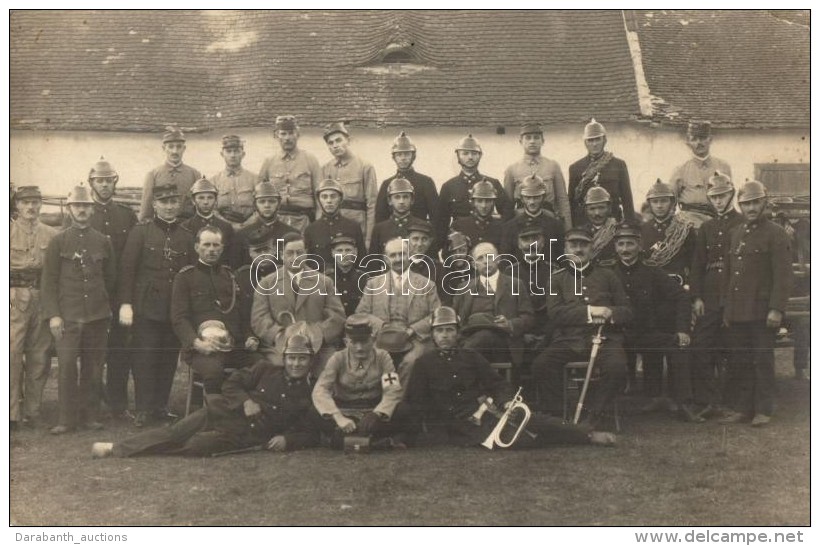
(234, 184)
(668, 239)
(533, 164)
(598, 212)
(422, 260)
(709, 262)
(29, 337)
(532, 195)
(114, 220)
(357, 178)
(204, 195)
(295, 173)
(266, 200)
(319, 234)
(480, 225)
(689, 181)
(403, 152)
(457, 267)
(348, 278)
(455, 198)
(173, 171)
(599, 168)
(79, 273)
(153, 255)
(758, 282)
(400, 196)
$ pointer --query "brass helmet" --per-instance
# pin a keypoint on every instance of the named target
(483, 189)
(103, 169)
(80, 195)
(298, 344)
(217, 334)
(659, 189)
(203, 185)
(468, 144)
(750, 191)
(330, 184)
(593, 129)
(597, 194)
(445, 315)
(533, 186)
(719, 183)
(400, 185)
(265, 189)
(403, 144)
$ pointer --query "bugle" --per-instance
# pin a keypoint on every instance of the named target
(517, 404)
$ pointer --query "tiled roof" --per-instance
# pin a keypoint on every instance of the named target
(740, 68)
(141, 70)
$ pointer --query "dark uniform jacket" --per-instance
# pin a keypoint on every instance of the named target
(606, 254)
(654, 233)
(710, 258)
(285, 402)
(319, 233)
(425, 196)
(550, 226)
(153, 255)
(535, 277)
(79, 274)
(348, 286)
(114, 220)
(659, 303)
(454, 202)
(480, 230)
(759, 276)
(203, 292)
(388, 229)
(614, 179)
(597, 286)
(240, 255)
(197, 222)
(510, 300)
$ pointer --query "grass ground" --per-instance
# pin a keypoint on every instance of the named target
(662, 472)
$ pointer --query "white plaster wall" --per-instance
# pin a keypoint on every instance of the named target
(57, 159)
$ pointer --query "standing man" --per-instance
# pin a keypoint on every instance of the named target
(295, 173)
(266, 200)
(668, 239)
(357, 178)
(319, 234)
(480, 225)
(29, 337)
(533, 164)
(532, 196)
(426, 194)
(154, 253)
(204, 197)
(599, 168)
(173, 171)
(234, 184)
(400, 197)
(689, 181)
(114, 220)
(79, 273)
(455, 199)
(758, 282)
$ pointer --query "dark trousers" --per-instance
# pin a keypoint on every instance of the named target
(402, 421)
(802, 338)
(548, 373)
(493, 345)
(750, 384)
(155, 350)
(117, 368)
(80, 393)
(653, 347)
(211, 367)
(708, 351)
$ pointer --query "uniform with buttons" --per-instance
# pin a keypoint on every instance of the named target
(358, 180)
(295, 175)
(480, 230)
(424, 190)
(348, 285)
(454, 202)
(197, 222)
(394, 226)
(319, 234)
(235, 194)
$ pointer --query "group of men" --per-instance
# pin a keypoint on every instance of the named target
(268, 275)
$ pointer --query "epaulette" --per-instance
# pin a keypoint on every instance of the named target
(187, 268)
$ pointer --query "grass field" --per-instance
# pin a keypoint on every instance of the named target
(663, 472)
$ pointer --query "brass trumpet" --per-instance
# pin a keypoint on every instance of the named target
(517, 404)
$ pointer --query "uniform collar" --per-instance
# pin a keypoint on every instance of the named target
(233, 172)
(102, 204)
(662, 223)
(164, 224)
(405, 173)
(533, 159)
(288, 155)
(206, 267)
(702, 160)
(480, 218)
(206, 218)
(173, 166)
(471, 178)
(345, 161)
(449, 354)
(401, 219)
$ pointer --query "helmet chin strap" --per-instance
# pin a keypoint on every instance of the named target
(728, 205)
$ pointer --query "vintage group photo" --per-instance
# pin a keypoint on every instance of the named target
(409, 268)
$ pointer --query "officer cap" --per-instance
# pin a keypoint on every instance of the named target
(358, 326)
(444, 315)
(403, 144)
(578, 234)
(232, 141)
(532, 186)
(330, 184)
(165, 191)
(659, 189)
(285, 123)
(530, 230)
(28, 192)
(333, 128)
(626, 229)
(265, 189)
(530, 128)
(400, 185)
(719, 183)
(341, 238)
(203, 185)
(595, 195)
(483, 189)
(699, 128)
(750, 191)
(468, 144)
(173, 134)
(593, 129)
(298, 344)
(457, 239)
(102, 169)
(420, 225)
(79, 194)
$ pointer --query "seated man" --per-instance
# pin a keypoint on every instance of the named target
(359, 389)
(450, 384)
(261, 406)
(576, 313)
(205, 295)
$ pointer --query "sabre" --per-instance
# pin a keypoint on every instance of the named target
(597, 339)
(250, 449)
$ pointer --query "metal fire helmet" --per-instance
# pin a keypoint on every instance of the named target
(80, 195)
(298, 344)
(597, 194)
(330, 184)
(659, 189)
(483, 189)
(265, 189)
(593, 129)
(468, 144)
(719, 183)
(203, 185)
(103, 169)
(750, 191)
(400, 185)
(403, 144)
(533, 186)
